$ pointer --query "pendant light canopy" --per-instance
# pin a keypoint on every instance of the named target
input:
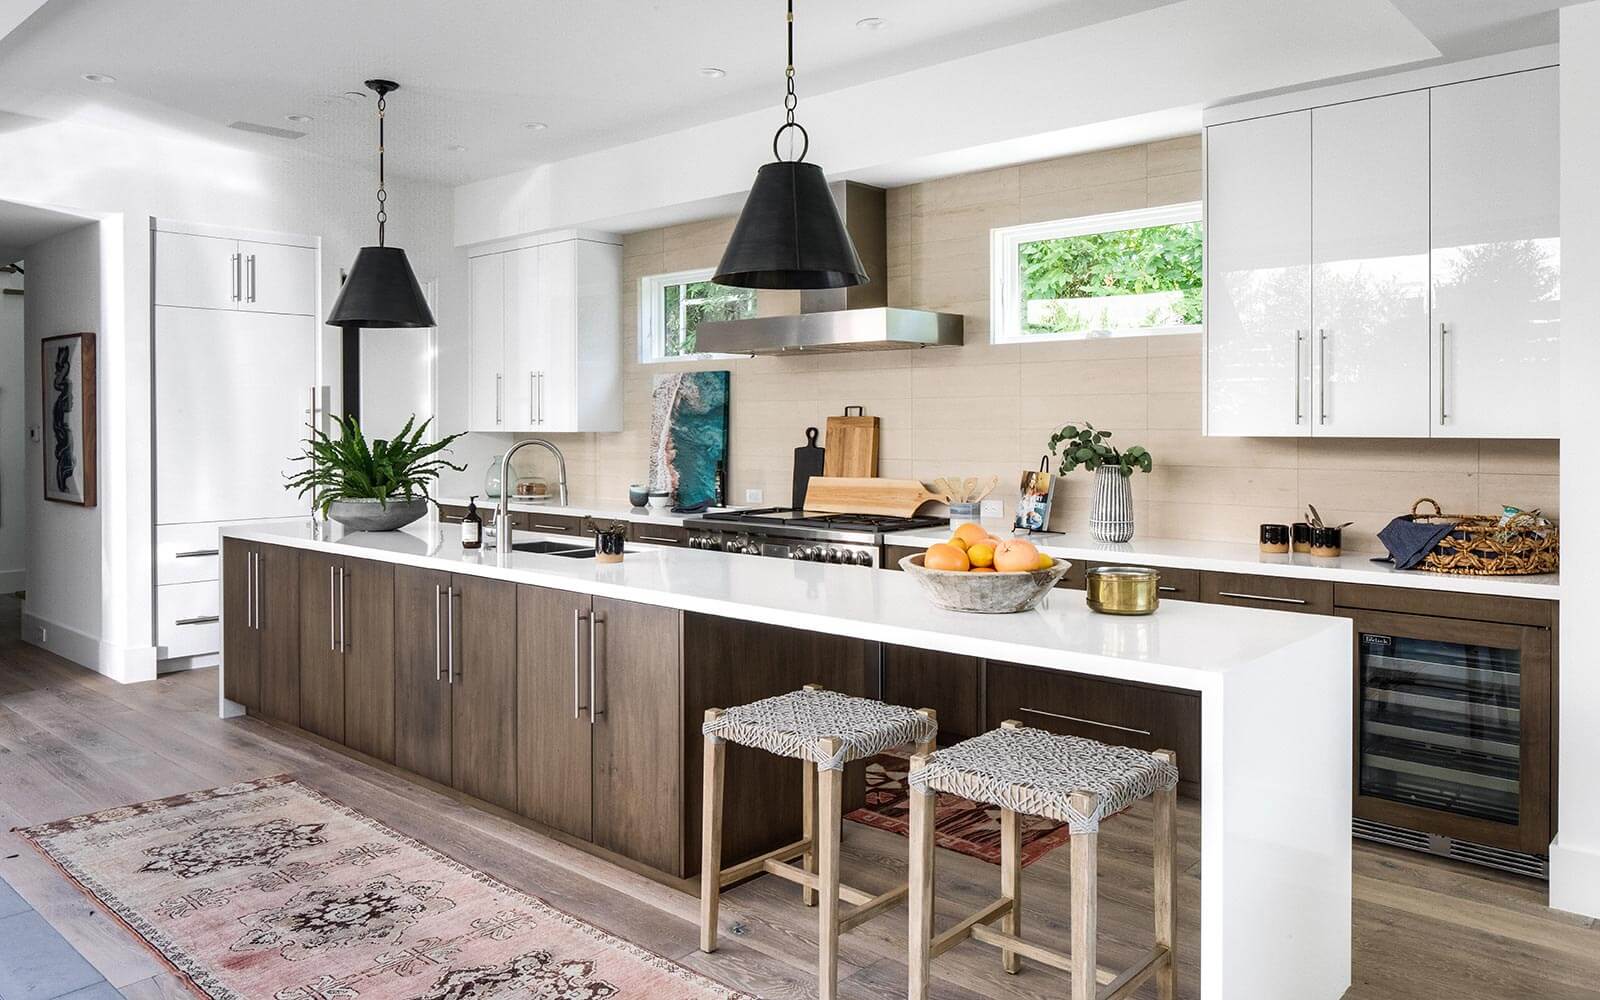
(790, 234)
(382, 291)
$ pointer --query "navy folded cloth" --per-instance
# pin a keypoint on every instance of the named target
(1409, 542)
(693, 508)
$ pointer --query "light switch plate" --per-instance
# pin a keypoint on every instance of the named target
(993, 509)
(752, 496)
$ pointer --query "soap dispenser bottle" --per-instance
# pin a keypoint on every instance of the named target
(472, 526)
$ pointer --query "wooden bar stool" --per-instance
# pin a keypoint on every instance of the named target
(826, 730)
(1071, 780)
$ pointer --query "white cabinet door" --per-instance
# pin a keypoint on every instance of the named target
(199, 272)
(486, 342)
(597, 326)
(232, 391)
(558, 270)
(1258, 277)
(279, 278)
(525, 340)
(1496, 257)
(1369, 279)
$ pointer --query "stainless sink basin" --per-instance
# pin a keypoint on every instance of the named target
(553, 548)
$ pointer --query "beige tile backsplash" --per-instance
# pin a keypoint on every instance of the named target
(986, 409)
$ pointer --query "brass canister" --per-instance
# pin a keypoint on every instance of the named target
(1123, 590)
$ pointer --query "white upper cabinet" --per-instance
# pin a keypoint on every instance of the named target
(215, 272)
(546, 338)
(1258, 277)
(1369, 267)
(1496, 257)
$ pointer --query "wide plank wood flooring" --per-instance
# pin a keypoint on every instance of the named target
(72, 741)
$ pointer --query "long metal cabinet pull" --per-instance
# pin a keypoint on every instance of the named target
(258, 591)
(595, 711)
(438, 636)
(499, 381)
(1444, 373)
(333, 607)
(577, 670)
(343, 646)
(1261, 597)
(194, 553)
(251, 260)
(533, 395)
(249, 590)
(200, 620)
(1322, 362)
(1299, 341)
(234, 264)
(541, 397)
(1087, 722)
(450, 645)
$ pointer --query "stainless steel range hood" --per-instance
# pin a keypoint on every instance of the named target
(831, 320)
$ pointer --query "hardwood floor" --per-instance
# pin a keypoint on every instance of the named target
(72, 742)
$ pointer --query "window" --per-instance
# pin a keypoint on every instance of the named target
(1124, 274)
(672, 307)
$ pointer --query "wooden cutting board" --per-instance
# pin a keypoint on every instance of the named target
(853, 495)
(808, 463)
(851, 445)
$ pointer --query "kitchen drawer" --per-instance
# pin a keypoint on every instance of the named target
(187, 619)
(449, 514)
(1441, 604)
(1274, 593)
(1133, 715)
(187, 553)
(1176, 584)
(657, 534)
(547, 524)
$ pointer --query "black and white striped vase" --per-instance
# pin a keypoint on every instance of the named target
(1111, 509)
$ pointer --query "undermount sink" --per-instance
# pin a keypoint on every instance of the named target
(553, 548)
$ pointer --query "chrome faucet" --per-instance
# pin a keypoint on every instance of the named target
(502, 516)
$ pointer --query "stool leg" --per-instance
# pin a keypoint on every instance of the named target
(1165, 843)
(920, 899)
(808, 861)
(927, 747)
(1011, 884)
(830, 793)
(711, 837)
(1085, 901)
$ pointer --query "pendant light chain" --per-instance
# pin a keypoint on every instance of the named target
(383, 195)
(789, 99)
(790, 102)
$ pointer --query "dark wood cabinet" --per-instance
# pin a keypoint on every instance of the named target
(481, 673)
(367, 606)
(657, 534)
(547, 524)
(554, 732)
(241, 646)
(422, 710)
(1273, 593)
(277, 613)
(636, 703)
(949, 684)
(321, 651)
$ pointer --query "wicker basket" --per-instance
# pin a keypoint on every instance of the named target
(1481, 546)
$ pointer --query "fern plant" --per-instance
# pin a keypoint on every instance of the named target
(400, 468)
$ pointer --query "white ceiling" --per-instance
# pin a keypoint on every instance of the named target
(598, 73)
(21, 226)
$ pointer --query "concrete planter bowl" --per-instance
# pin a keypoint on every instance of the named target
(373, 515)
(985, 593)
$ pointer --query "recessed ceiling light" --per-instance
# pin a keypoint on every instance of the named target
(535, 126)
(872, 23)
(712, 72)
(456, 148)
(297, 119)
(99, 78)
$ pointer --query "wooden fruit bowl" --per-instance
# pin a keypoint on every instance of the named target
(985, 593)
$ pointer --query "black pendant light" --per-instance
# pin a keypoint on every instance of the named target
(790, 234)
(381, 291)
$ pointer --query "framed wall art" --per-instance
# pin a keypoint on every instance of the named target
(67, 368)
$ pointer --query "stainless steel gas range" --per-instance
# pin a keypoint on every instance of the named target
(784, 533)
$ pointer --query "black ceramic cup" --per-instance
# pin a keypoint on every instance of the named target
(1274, 539)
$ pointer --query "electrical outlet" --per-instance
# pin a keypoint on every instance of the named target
(992, 510)
(752, 496)
(44, 634)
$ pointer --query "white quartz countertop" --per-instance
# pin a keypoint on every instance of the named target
(1232, 557)
(644, 515)
(1183, 645)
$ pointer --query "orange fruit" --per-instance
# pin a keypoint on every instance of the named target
(945, 556)
(971, 533)
(983, 569)
(981, 554)
(1015, 556)
(958, 542)
(1045, 562)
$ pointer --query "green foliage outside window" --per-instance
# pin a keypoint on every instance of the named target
(1058, 274)
(686, 306)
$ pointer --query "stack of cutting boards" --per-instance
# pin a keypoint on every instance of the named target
(851, 447)
(849, 483)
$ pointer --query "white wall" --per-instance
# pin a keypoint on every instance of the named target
(141, 171)
(1575, 855)
(13, 382)
(64, 541)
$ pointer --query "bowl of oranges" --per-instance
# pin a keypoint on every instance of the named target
(974, 571)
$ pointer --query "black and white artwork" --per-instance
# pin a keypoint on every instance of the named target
(67, 376)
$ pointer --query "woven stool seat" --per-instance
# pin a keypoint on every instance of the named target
(791, 725)
(1034, 772)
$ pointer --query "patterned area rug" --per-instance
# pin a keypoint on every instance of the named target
(268, 889)
(959, 824)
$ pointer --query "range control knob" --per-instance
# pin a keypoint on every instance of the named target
(863, 558)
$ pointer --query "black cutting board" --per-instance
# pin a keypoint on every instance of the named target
(807, 463)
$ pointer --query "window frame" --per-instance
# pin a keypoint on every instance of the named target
(1005, 268)
(652, 329)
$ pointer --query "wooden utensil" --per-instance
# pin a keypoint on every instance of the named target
(852, 445)
(808, 462)
(855, 495)
(987, 489)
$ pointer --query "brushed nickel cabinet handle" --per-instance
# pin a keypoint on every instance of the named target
(1166, 590)
(1299, 345)
(200, 620)
(251, 260)
(438, 635)
(237, 280)
(596, 619)
(658, 538)
(450, 644)
(333, 606)
(1086, 722)
(344, 646)
(1261, 597)
(533, 395)
(563, 528)
(578, 616)
(1322, 361)
(258, 591)
(249, 590)
(499, 395)
(1444, 372)
(195, 554)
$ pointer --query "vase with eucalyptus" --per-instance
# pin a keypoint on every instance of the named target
(381, 485)
(1111, 507)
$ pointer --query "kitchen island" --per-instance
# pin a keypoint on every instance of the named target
(502, 635)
